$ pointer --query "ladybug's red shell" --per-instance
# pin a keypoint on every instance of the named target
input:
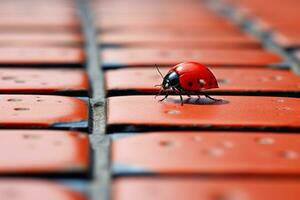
(195, 76)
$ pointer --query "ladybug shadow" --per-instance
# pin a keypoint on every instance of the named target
(198, 101)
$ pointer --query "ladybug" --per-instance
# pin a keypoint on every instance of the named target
(189, 78)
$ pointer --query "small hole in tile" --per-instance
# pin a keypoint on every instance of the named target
(8, 78)
(31, 136)
(14, 100)
(215, 152)
(277, 78)
(81, 136)
(166, 143)
(20, 81)
(285, 108)
(223, 81)
(173, 112)
(21, 109)
(231, 195)
(265, 140)
(289, 154)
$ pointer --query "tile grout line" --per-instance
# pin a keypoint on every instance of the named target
(101, 180)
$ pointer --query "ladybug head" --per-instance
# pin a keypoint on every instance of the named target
(170, 80)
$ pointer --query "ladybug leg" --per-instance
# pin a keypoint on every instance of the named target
(199, 97)
(160, 91)
(164, 97)
(181, 99)
(207, 96)
(178, 91)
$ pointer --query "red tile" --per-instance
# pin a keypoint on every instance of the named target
(39, 21)
(139, 7)
(40, 39)
(149, 57)
(230, 79)
(154, 9)
(31, 189)
(287, 38)
(175, 32)
(41, 55)
(42, 80)
(232, 111)
(160, 23)
(41, 111)
(171, 26)
(121, 19)
(180, 188)
(208, 153)
(188, 41)
(142, 29)
(269, 19)
(43, 151)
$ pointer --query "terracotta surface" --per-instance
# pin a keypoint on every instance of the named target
(153, 8)
(39, 21)
(42, 80)
(151, 15)
(229, 78)
(192, 24)
(40, 55)
(175, 33)
(177, 188)
(119, 18)
(214, 41)
(287, 38)
(42, 151)
(31, 189)
(209, 152)
(149, 57)
(40, 110)
(232, 111)
(280, 18)
(40, 39)
(204, 29)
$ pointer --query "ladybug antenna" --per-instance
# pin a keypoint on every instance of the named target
(159, 71)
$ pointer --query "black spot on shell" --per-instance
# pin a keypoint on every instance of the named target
(190, 84)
